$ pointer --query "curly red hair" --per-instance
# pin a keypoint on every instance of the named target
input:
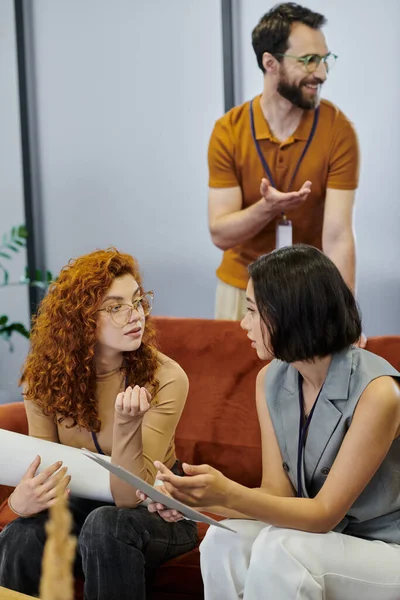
(59, 374)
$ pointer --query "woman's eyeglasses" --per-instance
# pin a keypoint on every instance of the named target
(121, 314)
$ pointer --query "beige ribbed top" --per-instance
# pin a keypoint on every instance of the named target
(133, 442)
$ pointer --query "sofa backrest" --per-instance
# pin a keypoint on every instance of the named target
(219, 424)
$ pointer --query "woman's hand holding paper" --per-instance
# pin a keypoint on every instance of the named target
(204, 486)
(36, 493)
(169, 515)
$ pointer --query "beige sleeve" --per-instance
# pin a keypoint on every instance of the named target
(138, 442)
(40, 425)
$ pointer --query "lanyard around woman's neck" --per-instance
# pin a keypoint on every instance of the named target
(303, 429)
(262, 157)
(94, 436)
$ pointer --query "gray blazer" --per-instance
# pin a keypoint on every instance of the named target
(376, 512)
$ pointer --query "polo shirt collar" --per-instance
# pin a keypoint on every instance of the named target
(263, 131)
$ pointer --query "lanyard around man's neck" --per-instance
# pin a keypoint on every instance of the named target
(262, 157)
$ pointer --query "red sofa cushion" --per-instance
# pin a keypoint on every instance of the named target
(219, 424)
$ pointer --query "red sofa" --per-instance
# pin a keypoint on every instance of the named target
(219, 424)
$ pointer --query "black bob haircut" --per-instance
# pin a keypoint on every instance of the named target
(305, 304)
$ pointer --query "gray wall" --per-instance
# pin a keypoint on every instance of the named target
(13, 300)
(365, 85)
(128, 92)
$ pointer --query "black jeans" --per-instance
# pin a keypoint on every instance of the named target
(115, 548)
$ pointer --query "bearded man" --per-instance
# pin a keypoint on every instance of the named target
(283, 167)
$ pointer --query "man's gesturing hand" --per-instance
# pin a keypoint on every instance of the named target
(280, 202)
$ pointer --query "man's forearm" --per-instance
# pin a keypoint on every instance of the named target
(230, 230)
(343, 253)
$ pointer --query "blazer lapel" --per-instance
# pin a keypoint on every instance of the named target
(326, 415)
(324, 421)
(289, 421)
(323, 425)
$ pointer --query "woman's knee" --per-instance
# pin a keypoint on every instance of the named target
(215, 538)
(113, 524)
(273, 541)
(214, 549)
(219, 542)
(21, 539)
(101, 521)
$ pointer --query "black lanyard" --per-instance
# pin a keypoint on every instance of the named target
(302, 434)
(262, 158)
(96, 443)
(94, 436)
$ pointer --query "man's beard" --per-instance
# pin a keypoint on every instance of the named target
(294, 93)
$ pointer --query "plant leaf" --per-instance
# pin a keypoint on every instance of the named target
(11, 247)
(22, 231)
(5, 275)
(4, 255)
(8, 330)
(20, 328)
(6, 336)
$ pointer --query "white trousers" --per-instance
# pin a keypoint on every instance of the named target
(264, 562)
(230, 302)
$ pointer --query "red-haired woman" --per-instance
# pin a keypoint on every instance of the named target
(94, 379)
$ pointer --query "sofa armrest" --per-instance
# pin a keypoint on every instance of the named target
(5, 491)
(6, 514)
(12, 418)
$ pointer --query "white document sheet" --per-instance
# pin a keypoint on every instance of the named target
(17, 451)
(153, 492)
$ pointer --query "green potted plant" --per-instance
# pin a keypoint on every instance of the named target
(11, 244)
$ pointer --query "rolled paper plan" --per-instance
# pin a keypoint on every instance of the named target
(17, 451)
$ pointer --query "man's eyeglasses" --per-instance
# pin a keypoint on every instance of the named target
(311, 62)
(121, 314)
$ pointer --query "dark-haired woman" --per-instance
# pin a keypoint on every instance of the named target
(326, 519)
(94, 379)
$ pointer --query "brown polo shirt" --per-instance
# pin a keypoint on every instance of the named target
(332, 161)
